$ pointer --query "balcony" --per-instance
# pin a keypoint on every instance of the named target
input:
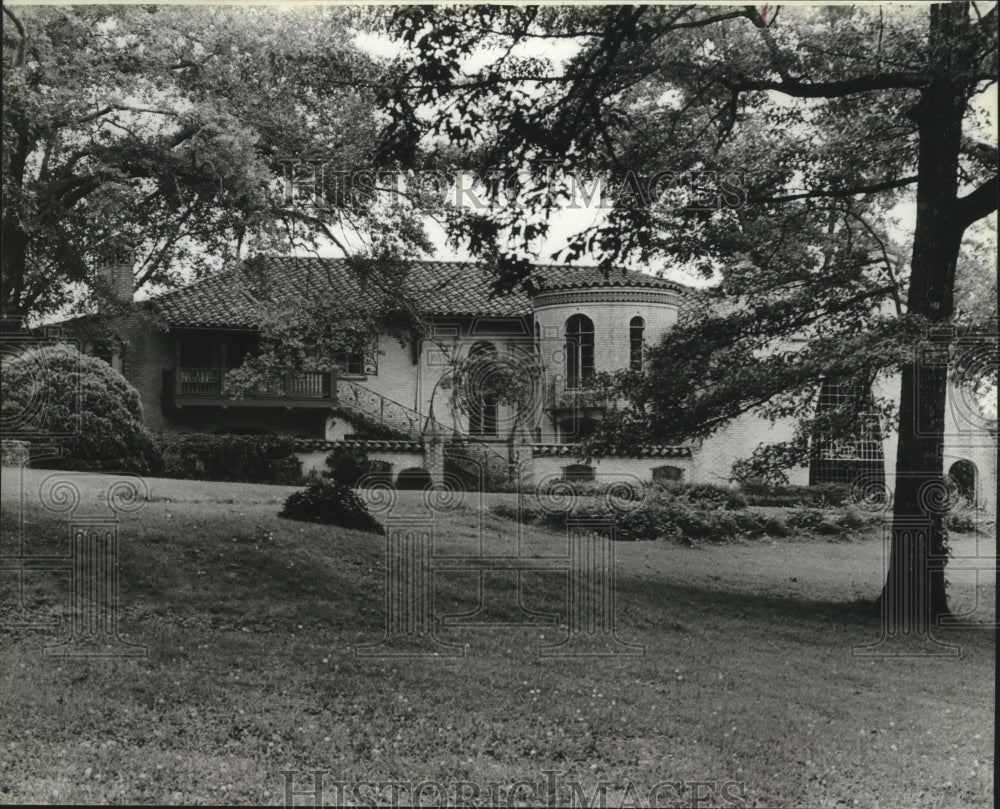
(559, 398)
(203, 387)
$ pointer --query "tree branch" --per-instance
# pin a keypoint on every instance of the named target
(830, 89)
(20, 30)
(888, 185)
(981, 202)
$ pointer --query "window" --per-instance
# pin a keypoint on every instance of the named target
(635, 333)
(849, 445)
(665, 474)
(108, 351)
(361, 361)
(351, 363)
(483, 410)
(579, 351)
(538, 339)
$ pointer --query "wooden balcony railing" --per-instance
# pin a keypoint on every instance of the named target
(291, 388)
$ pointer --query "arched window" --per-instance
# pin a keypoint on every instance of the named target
(636, 327)
(579, 351)
(965, 477)
(578, 472)
(482, 404)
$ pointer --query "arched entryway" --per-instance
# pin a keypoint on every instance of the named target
(966, 478)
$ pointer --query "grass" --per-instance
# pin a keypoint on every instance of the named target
(252, 623)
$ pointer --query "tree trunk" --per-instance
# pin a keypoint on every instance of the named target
(914, 597)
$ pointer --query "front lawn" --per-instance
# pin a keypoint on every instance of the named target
(252, 623)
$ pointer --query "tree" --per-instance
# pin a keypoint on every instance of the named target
(487, 377)
(169, 138)
(765, 147)
(56, 394)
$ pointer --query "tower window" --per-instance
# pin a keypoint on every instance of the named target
(579, 351)
(636, 328)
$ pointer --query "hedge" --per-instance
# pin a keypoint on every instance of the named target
(231, 458)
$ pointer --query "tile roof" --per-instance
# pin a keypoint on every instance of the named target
(435, 287)
(649, 451)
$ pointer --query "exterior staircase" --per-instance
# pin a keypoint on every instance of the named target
(383, 412)
(470, 455)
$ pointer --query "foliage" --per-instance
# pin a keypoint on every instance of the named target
(708, 495)
(309, 326)
(820, 496)
(345, 465)
(56, 395)
(781, 143)
(829, 522)
(507, 378)
(348, 465)
(167, 138)
(661, 515)
(236, 458)
(14, 453)
(331, 504)
(965, 517)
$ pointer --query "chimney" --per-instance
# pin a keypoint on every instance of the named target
(115, 280)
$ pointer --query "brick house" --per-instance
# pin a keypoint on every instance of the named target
(392, 399)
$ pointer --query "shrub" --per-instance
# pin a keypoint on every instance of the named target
(829, 522)
(81, 404)
(379, 472)
(965, 517)
(233, 458)
(825, 495)
(14, 453)
(415, 477)
(330, 503)
(346, 465)
(707, 494)
(662, 515)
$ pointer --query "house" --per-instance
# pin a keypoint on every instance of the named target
(393, 399)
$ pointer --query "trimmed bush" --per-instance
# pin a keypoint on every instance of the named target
(346, 465)
(232, 458)
(330, 503)
(81, 404)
